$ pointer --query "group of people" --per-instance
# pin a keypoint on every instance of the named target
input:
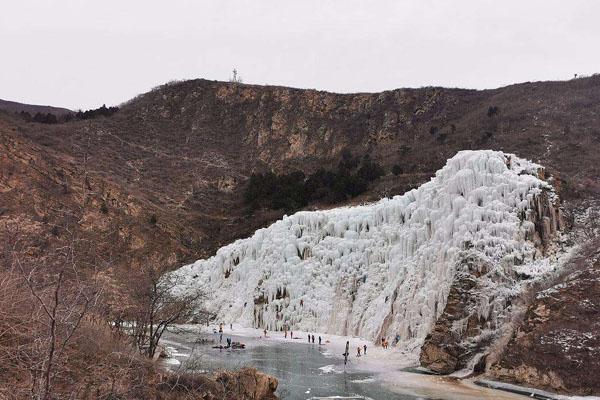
(384, 343)
(358, 350)
(312, 338)
(221, 335)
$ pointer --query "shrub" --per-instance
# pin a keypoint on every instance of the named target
(293, 191)
(103, 208)
(492, 110)
(47, 118)
(101, 111)
(396, 169)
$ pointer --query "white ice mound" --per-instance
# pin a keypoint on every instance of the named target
(382, 268)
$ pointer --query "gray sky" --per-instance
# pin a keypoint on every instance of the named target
(80, 54)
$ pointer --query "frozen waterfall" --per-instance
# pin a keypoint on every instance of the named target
(383, 268)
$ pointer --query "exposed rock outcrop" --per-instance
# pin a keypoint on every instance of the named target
(244, 384)
(557, 345)
(248, 384)
(472, 317)
(457, 334)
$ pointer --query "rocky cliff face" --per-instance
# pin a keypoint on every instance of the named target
(556, 345)
(472, 318)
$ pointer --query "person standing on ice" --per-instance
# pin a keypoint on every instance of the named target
(319, 340)
(358, 351)
(291, 334)
(309, 338)
(346, 353)
(365, 349)
(313, 339)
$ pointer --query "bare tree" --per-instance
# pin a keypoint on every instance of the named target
(58, 302)
(155, 307)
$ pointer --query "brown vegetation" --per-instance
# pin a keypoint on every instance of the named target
(161, 183)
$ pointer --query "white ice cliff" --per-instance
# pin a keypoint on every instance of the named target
(383, 268)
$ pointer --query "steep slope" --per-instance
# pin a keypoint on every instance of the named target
(185, 150)
(387, 268)
(557, 345)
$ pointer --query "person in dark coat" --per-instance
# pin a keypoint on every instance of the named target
(346, 353)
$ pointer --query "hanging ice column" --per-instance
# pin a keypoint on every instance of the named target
(383, 268)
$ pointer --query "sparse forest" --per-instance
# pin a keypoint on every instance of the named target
(295, 190)
(72, 326)
(51, 118)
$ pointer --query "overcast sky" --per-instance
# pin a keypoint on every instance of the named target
(80, 54)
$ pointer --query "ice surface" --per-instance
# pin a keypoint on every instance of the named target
(383, 268)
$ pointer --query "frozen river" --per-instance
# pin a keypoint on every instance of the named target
(304, 371)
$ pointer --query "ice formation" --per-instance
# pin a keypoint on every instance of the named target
(383, 268)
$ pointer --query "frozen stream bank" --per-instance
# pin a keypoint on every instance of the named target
(307, 371)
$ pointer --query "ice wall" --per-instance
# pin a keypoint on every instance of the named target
(383, 268)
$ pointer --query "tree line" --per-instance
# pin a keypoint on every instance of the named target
(295, 190)
(50, 118)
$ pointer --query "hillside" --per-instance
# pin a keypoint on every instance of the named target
(13, 106)
(163, 179)
(184, 151)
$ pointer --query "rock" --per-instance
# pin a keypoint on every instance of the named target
(248, 384)
(438, 359)
(472, 317)
(557, 346)
(455, 338)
